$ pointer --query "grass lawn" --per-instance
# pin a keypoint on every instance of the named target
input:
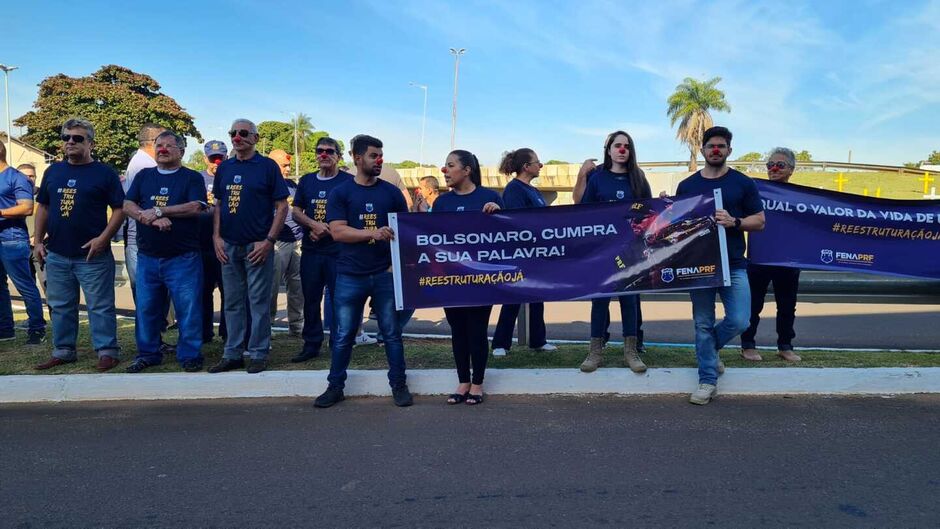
(16, 358)
(892, 185)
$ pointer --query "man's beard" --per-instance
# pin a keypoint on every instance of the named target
(715, 164)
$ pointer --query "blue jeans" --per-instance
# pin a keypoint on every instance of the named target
(182, 277)
(244, 281)
(709, 338)
(64, 277)
(349, 300)
(317, 271)
(14, 262)
(402, 317)
(600, 316)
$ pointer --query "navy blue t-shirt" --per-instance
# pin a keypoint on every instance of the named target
(246, 192)
(740, 199)
(78, 197)
(13, 186)
(291, 231)
(607, 186)
(154, 189)
(519, 194)
(473, 201)
(206, 219)
(364, 207)
(312, 194)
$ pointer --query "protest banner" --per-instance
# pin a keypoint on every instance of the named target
(558, 253)
(825, 230)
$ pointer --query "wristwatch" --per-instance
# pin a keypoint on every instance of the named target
(158, 212)
(271, 240)
(737, 223)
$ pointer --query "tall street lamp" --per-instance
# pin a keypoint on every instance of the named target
(6, 89)
(453, 118)
(424, 118)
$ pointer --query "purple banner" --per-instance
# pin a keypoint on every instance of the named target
(557, 253)
(825, 230)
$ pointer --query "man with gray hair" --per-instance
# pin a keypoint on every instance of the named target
(74, 198)
(786, 280)
(144, 158)
(165, 201)
(251, 205)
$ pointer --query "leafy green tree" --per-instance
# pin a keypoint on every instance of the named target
(934, 158)
(751, 157)
(115, 99)
(690, 105)
(406, 164)
(804, 156)
(268, 132)
(196, 161)
(556, 162)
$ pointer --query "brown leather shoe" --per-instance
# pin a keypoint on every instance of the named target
(789, 356)
(52, 362)
(751, 354)
(107, 362)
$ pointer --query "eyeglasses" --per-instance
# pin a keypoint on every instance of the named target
(77, 138)
(535, 163)
(778, 165)
(330, 151)
(243, 133)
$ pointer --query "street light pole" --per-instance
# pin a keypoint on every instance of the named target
(453, 118)
(424, 118)
(6, 90)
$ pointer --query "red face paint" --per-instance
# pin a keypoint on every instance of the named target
(163, 151)
(716, 152)
(623, 150)
(324, 156)
(378, 161)
(444, 170)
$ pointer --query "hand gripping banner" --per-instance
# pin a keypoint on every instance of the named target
(558, 253)
(825, 230)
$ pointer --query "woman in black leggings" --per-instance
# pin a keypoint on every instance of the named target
(468, 325)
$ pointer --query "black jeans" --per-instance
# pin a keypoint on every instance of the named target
(786, 281)
(502, 338)
(317, 271)
(468, 327)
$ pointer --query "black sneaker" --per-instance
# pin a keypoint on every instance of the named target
(331, 396)
(402, 396)
(138, 365)
(167, 348)
(36, 337)
(7, 336)
(193, 365)
(257, 365)
(227, 364)
(304, 356)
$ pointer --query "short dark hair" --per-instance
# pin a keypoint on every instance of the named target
(330, 141)
(721, 132)
(362, 142)
(149, 132)
(468, 159)
(3, 152)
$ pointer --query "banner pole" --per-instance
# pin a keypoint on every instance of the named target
(723, 243)
(396, 262)
(522, 327)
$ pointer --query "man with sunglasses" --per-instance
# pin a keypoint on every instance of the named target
(319, 250)
(251, 205)
(741, 211)
(74, 198)
(214, 153)
(786, 280)
(287, 254)
(165, 201)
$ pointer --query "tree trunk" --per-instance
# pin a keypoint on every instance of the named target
(693, 160)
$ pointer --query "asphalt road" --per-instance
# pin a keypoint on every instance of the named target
(512, 462)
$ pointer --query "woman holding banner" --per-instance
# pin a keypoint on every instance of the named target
(619, 179)
(467, 324)
(520, 193)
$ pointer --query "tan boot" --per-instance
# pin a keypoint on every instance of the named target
(751, 354)
(789, 356)
(594, 358)
(630, 355)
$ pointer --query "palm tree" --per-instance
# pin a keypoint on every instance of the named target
(689, 105)
(304, 129)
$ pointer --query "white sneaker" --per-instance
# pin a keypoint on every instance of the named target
(704, 394)
(548, 348)
(499, 351)
(365, 339)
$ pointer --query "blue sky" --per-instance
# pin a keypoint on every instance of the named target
(556, 76)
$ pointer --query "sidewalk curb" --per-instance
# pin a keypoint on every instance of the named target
(661, 381)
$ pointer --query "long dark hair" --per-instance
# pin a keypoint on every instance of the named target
(638, 183)
(468, 159)
(514, 161)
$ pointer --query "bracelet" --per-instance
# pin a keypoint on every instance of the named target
(270, 239)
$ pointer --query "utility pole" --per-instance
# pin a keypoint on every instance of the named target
(424, 118)
(453, 118)
(6, 90)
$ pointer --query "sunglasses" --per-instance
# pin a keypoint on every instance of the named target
(778, 165)
(330, 152)
(77, 138)
(243, 133)
(535, 163)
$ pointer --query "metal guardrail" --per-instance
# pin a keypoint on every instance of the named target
(820, 165)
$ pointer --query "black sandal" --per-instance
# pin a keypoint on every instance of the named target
(473, 400)
(457, 398)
